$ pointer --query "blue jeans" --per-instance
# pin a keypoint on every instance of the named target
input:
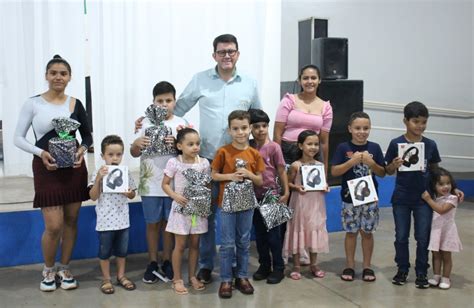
(422, 215)
(268, 241)
(235, 238)
(207, 241)
(115, 241)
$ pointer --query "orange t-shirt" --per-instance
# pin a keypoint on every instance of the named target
(224, 162)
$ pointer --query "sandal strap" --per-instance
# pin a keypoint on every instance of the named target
(348, 272)
(368, 272)
(125, 282)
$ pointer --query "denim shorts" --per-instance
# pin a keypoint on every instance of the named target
(363, 217)
(156, 209)
(115, 241)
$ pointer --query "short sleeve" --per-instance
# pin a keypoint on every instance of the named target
(452, 199)
(435, 158)
(392, 152)
(131, 182)
(171, 167)
(286, 105)
(278, 158)
(339, 156)
(219, 160)
(260, 164)
(206, 168)
(327, 117)
(378, 155)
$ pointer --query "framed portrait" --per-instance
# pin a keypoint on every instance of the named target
(413, 155)
(362, 190)
(313, 177)
(116, 180)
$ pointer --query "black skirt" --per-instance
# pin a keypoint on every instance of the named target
(59, 187)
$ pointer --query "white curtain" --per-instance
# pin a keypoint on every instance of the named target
(133, 45)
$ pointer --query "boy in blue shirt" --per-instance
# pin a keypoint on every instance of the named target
(354, 159)
(406, 198)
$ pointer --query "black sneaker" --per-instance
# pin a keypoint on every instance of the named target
(205, 275)
(149, 277)
(275, 277)
(400, 278)
(261, 273)
(421, 282)
(167, 269)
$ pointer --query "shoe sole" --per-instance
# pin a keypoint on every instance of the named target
(68, 287)
(149, 281)
(273, 282)
(47, 289)
(422, 286)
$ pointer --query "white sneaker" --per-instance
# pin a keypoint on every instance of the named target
(434, 281)
(445, 283)
(48, 283)
(66, 280)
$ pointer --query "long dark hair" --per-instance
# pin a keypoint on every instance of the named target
(182, 133)
(301, 139)
(304, 68)
(435, 177)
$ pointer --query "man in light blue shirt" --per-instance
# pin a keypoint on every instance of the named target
(219, 91)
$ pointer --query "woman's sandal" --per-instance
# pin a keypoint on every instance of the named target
(317, 272)
(106, 287)
(126, 283)
(295, 273)
(178, 287)
(196, 284)
(368, 275)
(348, 274)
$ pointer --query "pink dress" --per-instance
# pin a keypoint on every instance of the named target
(444, 234)
(307, 228)
(177, 222)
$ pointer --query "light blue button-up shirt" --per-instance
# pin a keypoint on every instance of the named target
(217, 99)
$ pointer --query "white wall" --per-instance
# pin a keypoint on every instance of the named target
(404, 51)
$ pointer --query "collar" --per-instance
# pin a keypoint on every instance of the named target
(213, 73)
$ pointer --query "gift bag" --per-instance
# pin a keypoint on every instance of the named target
(239, 196)
(197, 194)
(63, 148)
(158, 132)
(273, 212)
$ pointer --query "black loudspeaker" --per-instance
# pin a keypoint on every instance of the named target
(346, 97)
(330, 54)
(309, 29)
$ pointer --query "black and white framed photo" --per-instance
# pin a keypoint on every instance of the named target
(116, 180)
(362, 190)
(313, 177)
(413, 155)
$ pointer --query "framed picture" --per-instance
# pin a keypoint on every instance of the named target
(313, 177)
(362, 190)
(413, 155)
(116, 180)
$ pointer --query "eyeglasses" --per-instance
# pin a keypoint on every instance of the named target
(230, 52)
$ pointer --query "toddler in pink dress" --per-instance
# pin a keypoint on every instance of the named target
(444, 237)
